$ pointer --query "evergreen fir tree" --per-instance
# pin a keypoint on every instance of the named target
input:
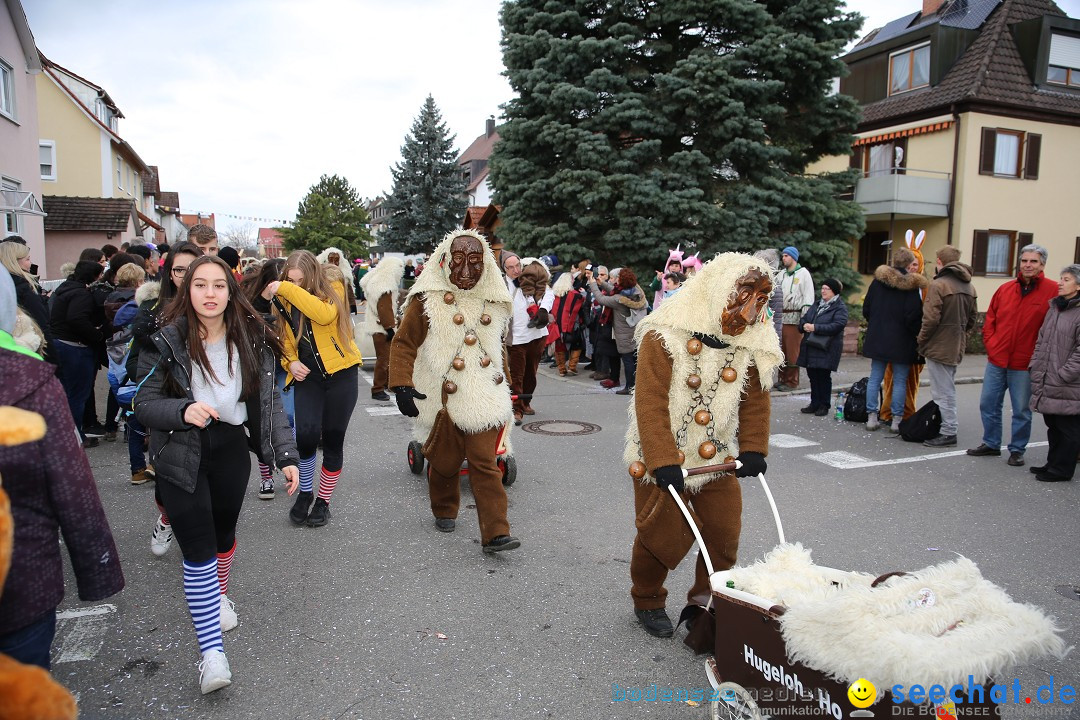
(332, 215)
(641, 126)
(428, 199)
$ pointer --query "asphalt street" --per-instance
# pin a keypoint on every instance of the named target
(378, 615)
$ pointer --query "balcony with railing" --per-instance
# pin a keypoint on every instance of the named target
(903, 192)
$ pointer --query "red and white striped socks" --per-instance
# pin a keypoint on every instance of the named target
(224, 564)
(327, 483)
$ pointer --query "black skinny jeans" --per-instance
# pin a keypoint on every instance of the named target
(205, 521)
(323, 409)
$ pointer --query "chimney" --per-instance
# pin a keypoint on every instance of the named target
(489, 125)
(929, 7)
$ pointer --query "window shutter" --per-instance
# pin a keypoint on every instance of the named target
(1031, 159)
(978, 252)
(857, 158)
(986, 156)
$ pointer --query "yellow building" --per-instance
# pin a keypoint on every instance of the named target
(970, 131)
(85, 161)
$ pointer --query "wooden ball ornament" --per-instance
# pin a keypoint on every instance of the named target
(729, 459)
(459, 319)
(450, 387)
(485, 361)
(470, 339)
(702, 417)
(499, 378)
(637, 469)
(707, 450)
(693, 382)
(485, 319)
(682, 457)
(448, 298)
(693, 346)
(459, 363)
(729, 375)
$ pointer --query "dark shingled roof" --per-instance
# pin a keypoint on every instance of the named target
(990, 72)
(86, 213)
(169, 200)
(150, 181)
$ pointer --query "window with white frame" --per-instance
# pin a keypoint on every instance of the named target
(1063, 65)
(47, 159)
(909, 69)
(10, 217)
(7, 90)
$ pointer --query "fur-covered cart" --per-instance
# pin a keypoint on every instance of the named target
(795, 638)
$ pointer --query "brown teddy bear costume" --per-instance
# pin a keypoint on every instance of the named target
(705, 359)
(448, 354)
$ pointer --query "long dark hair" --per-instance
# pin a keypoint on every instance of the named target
(254, 284)
(245, 330)
(168, 290)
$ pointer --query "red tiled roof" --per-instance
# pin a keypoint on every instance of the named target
(990, 72)
(270, 234)
(86, 213)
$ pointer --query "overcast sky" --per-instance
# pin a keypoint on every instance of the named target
(243, 104)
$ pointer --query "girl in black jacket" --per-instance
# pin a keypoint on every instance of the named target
(209, 376)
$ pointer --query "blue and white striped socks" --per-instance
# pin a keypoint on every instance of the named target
(203, 593)
(307, 474)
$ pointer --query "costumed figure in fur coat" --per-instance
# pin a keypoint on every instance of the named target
(448, 370)
(380, 286)
(336, 257)
(705, 361)
(914, 244)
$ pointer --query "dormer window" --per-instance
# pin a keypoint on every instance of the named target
(909, 69)
(1064, 63)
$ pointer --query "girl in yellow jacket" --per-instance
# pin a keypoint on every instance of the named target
(321, 357)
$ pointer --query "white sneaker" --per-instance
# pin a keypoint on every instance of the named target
(228, 614)
(161, 539)
(214, 672)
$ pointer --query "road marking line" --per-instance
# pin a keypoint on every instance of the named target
(850, 461)
(84, 640)
(790, 441)
(382, 410)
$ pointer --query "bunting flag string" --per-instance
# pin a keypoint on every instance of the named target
(200, 213)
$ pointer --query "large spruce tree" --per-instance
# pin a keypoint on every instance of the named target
(428, 199)
(640, 126)
(331, 215)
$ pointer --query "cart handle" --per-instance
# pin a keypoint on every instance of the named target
(697, 535)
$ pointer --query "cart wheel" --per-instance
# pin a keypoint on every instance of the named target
(735, 704)
(509, 468)
(416, 458)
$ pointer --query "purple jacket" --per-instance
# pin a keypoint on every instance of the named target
(51, 489)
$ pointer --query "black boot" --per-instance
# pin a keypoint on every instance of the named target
(300, 508)
(656, 622)
(500, 543)
(320, 513)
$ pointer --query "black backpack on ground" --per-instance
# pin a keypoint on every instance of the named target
(923, 425)
(855, 402)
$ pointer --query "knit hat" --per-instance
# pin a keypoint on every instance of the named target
(835, 285)
(790, 250)
(229, 255)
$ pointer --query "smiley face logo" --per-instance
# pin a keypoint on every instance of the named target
(862, 693)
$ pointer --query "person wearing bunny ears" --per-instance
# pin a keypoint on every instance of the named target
(798, 289)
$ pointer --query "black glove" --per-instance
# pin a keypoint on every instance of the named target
(405, 404)
(389, 335)
(669, 475)
(541, 318)
(752, 464)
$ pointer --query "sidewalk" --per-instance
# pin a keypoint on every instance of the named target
(854, 367)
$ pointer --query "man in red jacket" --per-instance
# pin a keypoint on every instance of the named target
(1009, 333)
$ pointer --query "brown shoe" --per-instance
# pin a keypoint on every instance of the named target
(528, 410)
(600, 376)
(139, 476)
(517, 417)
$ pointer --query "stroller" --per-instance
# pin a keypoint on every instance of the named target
(773, 626)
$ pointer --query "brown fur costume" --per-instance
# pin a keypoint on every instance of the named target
(27, 692)
(464, 424)
(663, 401)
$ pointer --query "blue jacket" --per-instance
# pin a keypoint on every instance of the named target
(829, 321)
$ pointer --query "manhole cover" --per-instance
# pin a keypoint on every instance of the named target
(560, 427)
(1070, 591)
